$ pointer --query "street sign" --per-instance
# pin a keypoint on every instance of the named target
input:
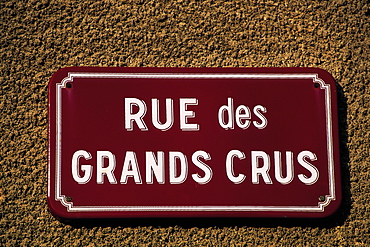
(193, 142)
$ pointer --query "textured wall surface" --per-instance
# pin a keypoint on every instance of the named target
(39, 37)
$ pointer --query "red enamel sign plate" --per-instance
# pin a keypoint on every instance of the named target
(193, 142)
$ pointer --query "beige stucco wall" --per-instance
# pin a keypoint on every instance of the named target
(39, 37)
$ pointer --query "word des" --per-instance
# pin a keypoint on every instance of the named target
(242, 116)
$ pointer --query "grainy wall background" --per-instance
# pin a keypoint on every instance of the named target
(39, 37)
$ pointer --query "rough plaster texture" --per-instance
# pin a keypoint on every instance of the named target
(39, 37)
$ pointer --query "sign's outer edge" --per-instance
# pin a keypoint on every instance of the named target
(314, 76)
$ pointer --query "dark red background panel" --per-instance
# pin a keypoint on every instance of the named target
(87, 112)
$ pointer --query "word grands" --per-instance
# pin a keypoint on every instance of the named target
(228, 116)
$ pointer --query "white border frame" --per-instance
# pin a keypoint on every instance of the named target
(70, 206)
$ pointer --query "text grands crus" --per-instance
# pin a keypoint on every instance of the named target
(229, 118)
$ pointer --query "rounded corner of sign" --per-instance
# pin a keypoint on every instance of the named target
(331, 209)
(59, 75)
(57, 210)
(325, 75)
